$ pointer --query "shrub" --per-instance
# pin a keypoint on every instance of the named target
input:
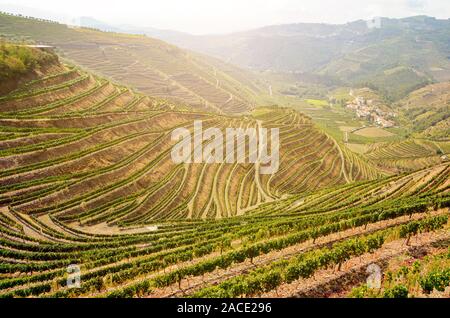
(438, 279)
(398, 291)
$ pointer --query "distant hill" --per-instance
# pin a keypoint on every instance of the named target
(152, 66)
(398, 57)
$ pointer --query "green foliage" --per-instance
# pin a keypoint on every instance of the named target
(438, 279)
(17, 60)
(359, 292)
(181, 248)
(398, 291)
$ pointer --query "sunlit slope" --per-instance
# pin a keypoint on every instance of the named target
(408, 155)
(374, 194)
(152, 66)
(85, 149)
(278, 250)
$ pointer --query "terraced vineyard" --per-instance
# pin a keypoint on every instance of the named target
(418, 277)
(86, 150)
(149, 65)
(276, 247)
(426, 111)
(408, 155)
(87, 179)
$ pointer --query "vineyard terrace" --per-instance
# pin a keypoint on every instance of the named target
(235, 146)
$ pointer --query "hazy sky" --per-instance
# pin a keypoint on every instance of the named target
(221, 16)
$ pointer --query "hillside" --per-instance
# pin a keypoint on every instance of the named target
(149, 65)
(397, 57)
(81, 148)
(426, 111)
(132, 168)
(407, 155)
(308, 245)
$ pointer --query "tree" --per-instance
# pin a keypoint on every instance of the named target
(225, 243)
(398, 291)
(252, 252)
